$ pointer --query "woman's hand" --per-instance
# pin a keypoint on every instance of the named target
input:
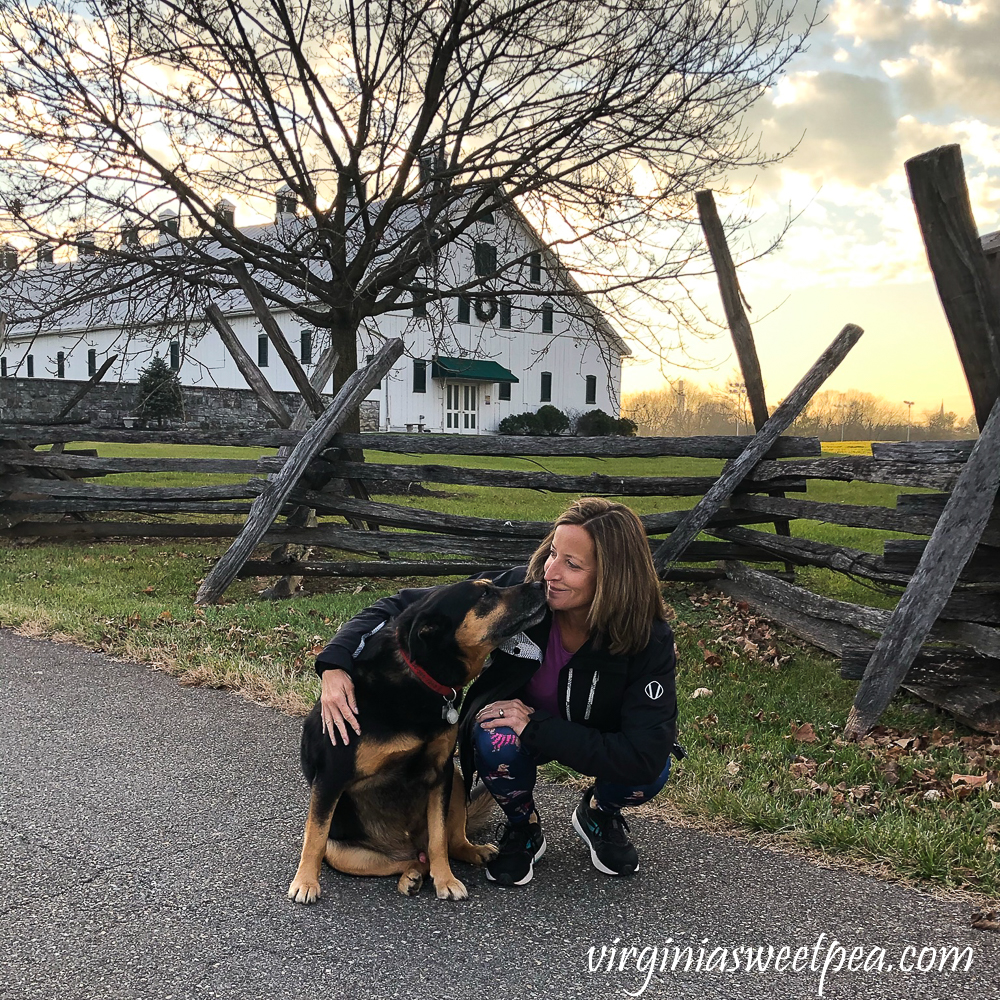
(338, 706)
(512, 714)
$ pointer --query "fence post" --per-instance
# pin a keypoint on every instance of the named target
(960, 268)
(954, 540)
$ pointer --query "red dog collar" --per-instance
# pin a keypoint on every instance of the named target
(428, 681)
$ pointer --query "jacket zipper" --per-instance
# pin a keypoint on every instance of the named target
(590, 697)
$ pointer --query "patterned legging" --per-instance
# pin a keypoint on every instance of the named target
(509, 772)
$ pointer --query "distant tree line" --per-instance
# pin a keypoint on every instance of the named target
(685, 408)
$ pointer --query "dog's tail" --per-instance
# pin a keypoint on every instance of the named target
(480, 807)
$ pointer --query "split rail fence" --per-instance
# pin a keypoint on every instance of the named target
(62, 495)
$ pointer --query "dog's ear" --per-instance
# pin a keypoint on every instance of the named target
(428, 631)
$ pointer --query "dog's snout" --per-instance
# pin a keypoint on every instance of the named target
(537, 585)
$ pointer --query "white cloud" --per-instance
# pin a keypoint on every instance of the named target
(843, 125)
(941, 54)
(868, 20)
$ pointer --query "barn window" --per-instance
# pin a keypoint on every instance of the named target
(60, 364)
(535, 268)
(547, 313)
(591, 389)
(419, 376)
(546, 394)
(92, 361)
(504, 392)
(175, 355)
(262, 351)
(485, 257)
(306, 347)
(505, 313)
(464, 309)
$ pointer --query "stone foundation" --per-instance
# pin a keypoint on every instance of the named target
(112, 405)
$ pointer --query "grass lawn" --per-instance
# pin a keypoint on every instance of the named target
(761, 713)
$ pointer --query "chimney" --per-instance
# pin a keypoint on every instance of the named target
(130, 233)
(170, 224)
(285, 202)
(431, 165)
(225, 212)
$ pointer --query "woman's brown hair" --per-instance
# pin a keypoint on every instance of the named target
(627, 598)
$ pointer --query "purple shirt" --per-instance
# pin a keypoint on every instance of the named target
(542, 690)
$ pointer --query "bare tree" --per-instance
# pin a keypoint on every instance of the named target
(136, 131)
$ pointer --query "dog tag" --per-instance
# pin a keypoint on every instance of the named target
(449, 713)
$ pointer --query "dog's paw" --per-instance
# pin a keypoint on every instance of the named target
(303, 890)
(451, 889)
(410, 881)
(474, 854)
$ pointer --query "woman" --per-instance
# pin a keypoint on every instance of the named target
(591, 686)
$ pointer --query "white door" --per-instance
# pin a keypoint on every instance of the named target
(462, 407)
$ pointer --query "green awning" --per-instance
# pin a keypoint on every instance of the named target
(471, 369)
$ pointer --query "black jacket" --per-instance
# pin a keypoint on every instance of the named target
(617, 714)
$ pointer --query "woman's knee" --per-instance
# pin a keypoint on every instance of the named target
(615, 795)
(497, 746)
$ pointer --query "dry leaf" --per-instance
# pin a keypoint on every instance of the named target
(702, 693)
(970, 780)
(316, 650)
(803, 768)
(932, 795)
(804, 733)
(712, 659)
(150, 590)
(165, 616)
(733, 767)
(986, 921)
(995, 804)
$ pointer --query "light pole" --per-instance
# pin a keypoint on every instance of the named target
(908, 403)
(739, 391)
(843, 417)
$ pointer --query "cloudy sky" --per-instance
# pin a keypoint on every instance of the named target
(882, 80)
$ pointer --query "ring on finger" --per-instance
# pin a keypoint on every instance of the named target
(501, 713)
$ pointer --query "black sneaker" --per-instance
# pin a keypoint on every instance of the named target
(520, 846)
(606, 835)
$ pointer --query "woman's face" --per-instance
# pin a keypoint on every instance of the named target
(571, 569)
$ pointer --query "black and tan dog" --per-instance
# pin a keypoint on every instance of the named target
(388, 803)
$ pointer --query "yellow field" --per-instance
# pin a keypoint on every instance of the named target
(847, 447)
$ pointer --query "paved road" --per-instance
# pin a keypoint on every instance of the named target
(149, 832)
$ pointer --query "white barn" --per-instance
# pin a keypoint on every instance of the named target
(469, 361)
